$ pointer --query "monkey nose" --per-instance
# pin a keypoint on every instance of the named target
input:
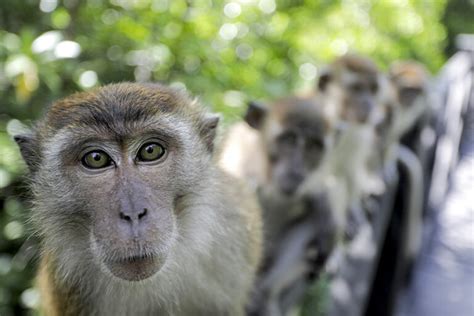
(133, 216)
(291, 183)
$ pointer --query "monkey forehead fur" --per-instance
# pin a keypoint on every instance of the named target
(113, 106)
(305, 112)
(356, 63)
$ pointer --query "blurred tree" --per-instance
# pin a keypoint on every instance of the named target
(225, 51)
(458, 19)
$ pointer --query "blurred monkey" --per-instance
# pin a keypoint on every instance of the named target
(288, 142)
(352, 94)
(412, 112)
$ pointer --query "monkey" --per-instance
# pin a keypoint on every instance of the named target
(288, 140)
(355, 92)
(407, 110)
(409, 80)
(413, 121)
(134, 215)
(351, 90)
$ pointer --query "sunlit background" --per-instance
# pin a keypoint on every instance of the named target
(227, 52)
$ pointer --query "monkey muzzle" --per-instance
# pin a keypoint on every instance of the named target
(130, 259)
(135, 268)
(132, 238)
(290, 182)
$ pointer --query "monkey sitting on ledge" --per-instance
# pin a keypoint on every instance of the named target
(275, 150)
(352, 94)
(412, 113)
(133, 214)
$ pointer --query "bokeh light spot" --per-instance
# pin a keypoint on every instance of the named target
(11, 41)
(234, 98)
(67, 49)
(60, 19)
(48, 6)
(228, 31)
(46, 41)
(308, 71)
(88, 79)
(13, 230)
(232, 10)
(5, 264)
(114, 52)
(244, 51)
(267, 6)
(30, 298)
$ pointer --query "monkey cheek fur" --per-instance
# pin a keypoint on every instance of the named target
(135, 268)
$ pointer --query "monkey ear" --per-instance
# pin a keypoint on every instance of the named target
(255, 115)
(209, 130)
(29, 149)
(324, 80)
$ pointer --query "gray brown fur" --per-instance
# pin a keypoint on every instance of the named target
(203, 226)
(294, 136)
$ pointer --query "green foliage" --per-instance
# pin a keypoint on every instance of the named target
(316, 300)
(458, 19)
(225, 51)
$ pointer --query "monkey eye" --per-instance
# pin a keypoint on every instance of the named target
(96, 159)
(356, 87)
(408, 95)
(315, 144)
(150, 152)
(374, 88)
(287, 138)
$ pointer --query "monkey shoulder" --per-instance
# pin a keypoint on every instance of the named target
(244, 206)
(231, 258)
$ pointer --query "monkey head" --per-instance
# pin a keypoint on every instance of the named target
(410, 80)
(109, 168)
(351, 85)
(295, 134)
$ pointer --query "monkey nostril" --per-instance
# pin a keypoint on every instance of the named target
(143, 214)
(134, 217)
(125, 217)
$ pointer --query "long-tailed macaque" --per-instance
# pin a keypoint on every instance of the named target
(412, 109)
(288, 141)
(350, 89)
(133, 214)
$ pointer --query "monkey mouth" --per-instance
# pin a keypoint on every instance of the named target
(135, 259)
(135, 268)
(289, 187)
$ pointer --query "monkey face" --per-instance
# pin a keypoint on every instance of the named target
(409, 79)
(359, 97)
(293, 155)
(351, 85)
(133, 217)
(407, 89)
(296, 143)
(112, 170)
(408, 95)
